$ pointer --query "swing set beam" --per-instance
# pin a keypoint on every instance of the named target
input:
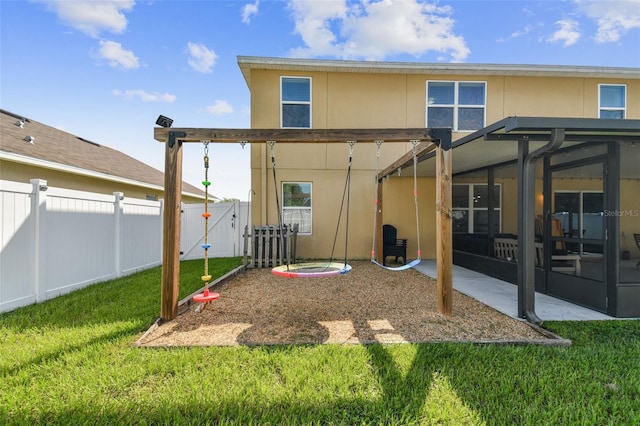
(438, 139)
(162, 134)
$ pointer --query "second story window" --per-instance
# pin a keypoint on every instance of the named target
(612, 101)
(459, 105)
(295, 100)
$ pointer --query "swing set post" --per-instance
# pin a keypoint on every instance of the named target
(171, 226)
(444, 245)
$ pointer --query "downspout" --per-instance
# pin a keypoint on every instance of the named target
(526, 222)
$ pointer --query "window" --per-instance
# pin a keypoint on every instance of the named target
(459, 105)
(295, 96)
(612, 100)
(296, 205)
(471, 208)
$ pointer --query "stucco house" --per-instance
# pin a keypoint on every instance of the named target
(545, 174)
(33, 150)
(582, 201)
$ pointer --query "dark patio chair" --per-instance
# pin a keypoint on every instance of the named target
(392, 245)
(637, 238)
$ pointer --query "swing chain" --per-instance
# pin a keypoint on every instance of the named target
(351, 145)
(272, 145)
(415, 143)
(242, 143)
(378, 146)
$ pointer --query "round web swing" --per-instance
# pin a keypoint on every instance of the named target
(315, 269)
(206, 296)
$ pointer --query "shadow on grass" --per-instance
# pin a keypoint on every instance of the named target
(404, 395)
(400, 397)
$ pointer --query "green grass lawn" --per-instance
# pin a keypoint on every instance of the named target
(71, 361)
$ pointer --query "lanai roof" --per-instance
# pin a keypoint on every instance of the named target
(497, 143)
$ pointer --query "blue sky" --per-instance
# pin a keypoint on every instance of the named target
(104, 70)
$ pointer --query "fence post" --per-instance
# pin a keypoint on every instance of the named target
(39, 209)
(118, 213)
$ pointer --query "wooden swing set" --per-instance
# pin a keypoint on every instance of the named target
(430, 139)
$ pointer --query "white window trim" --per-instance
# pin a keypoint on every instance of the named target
(310, 103)
(310, 208)
(455, 105)
(601, 108)
(471, 209)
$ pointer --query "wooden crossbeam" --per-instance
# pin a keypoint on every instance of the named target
(421, 149)
(292, 135)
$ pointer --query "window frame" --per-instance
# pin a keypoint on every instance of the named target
(283, 102)
(456, 106)
(301, 230)
(602, 108)
(471, 210)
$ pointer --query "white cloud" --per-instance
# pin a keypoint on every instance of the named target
(201, 58)
(144, 96)
(220, 107)
(248, 10)
(372, 29)
(92, 17)
(526, 30)
(117, 56)
(614, 17)
(568, 34)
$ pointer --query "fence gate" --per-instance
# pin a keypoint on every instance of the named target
(225, 229)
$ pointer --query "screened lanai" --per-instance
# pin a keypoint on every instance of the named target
(563, 194)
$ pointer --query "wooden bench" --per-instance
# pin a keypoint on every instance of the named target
(507, 248)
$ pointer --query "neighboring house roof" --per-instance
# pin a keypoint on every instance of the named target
(247, 63)
(44, 146)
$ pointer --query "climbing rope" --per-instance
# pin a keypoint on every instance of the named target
(206, 297)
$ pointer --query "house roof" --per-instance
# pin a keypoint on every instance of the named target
(248, 63)
(44, 146)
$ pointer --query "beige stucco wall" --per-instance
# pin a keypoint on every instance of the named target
(18, 172)
(399, 211)
(358, 100)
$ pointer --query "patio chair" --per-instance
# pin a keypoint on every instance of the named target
(392, 245)
(637, 238)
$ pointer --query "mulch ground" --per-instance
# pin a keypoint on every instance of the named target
(368, 304)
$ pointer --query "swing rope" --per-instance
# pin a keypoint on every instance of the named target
(346, 192)
(272, 145)
(316, 269)
(415, 201)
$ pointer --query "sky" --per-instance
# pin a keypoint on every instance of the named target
(105, 70)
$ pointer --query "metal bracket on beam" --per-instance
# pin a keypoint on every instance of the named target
(441, 137)
(173, 136)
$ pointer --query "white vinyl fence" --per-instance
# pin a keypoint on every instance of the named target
(58, 240)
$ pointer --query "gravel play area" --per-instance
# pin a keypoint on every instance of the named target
(368, 304)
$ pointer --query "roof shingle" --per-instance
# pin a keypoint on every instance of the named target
(56, 146)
